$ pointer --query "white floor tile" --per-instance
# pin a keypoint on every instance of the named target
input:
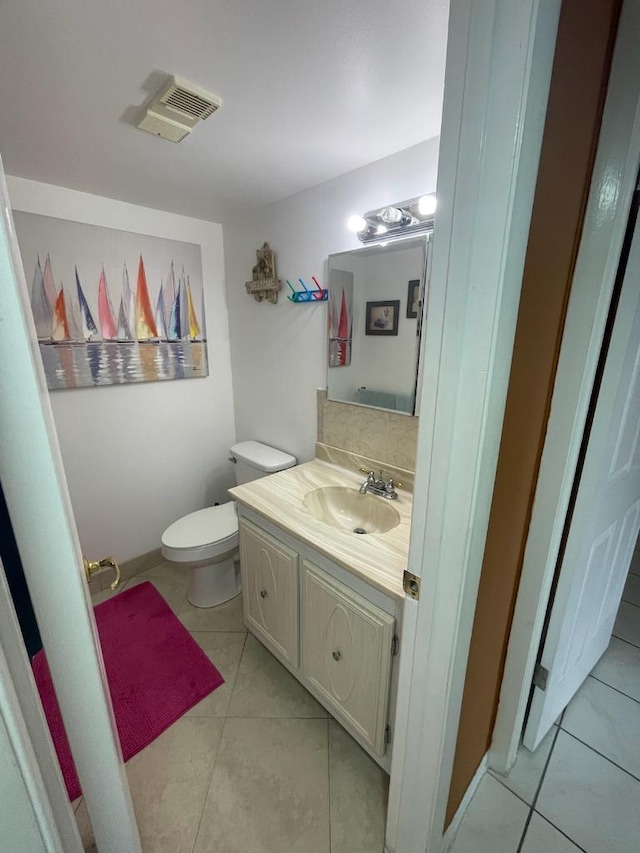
(264, 688)
(169, 781)
(607, 721)
(590, 799)
(619, 667)
(542, 837)
(269, 791)
(224, 650)
(224, 617)
(627, 624)
(526, 773)
(494, 821)
(632, 589)
(358, 793)
(169, 584)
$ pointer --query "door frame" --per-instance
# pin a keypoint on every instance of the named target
(499, 62)
(613, 183)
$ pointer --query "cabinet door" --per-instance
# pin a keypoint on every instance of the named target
(346, 653)
(270, 590)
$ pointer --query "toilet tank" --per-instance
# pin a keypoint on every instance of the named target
(254, 460)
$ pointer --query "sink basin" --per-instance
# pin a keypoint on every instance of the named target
(347, 509)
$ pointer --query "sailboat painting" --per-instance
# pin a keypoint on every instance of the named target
(340, 317)
(112, 307)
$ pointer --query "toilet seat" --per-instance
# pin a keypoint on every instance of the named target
(202, 535)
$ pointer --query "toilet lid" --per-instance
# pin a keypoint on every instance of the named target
(203, 527)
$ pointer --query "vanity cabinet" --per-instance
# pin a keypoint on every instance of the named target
(333, 639)
(346, 653)
(269, 572)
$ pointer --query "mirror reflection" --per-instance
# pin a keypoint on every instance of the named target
(375, 317)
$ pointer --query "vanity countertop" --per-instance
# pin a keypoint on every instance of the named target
(378, 558)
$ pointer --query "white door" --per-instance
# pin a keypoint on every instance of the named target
(40, 508)
(604, 525)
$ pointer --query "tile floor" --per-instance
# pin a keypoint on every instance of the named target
(580, 790)
(258, 766)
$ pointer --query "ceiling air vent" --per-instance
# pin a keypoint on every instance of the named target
(161, 122)
(177, 108)
(187, 99)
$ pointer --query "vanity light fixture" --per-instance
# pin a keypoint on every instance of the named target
(404, 219)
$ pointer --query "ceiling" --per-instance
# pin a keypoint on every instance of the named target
(310, 88)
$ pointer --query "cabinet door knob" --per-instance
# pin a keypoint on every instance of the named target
(263, 593)
(336, 655)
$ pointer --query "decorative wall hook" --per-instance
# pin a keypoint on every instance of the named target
(305, 295)
(264, 284)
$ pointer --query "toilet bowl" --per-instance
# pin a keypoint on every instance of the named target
(206, 541)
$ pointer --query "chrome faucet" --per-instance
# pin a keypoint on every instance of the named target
(379, 486)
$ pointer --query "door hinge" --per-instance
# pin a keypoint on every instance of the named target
(540, 676)
(411, 584)
(387, 734)
(395, 645)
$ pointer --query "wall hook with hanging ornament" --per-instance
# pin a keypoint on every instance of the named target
(264, 283)
(320, 294)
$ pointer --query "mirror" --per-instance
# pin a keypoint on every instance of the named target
(375, 316)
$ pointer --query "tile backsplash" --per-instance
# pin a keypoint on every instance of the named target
(392, 438)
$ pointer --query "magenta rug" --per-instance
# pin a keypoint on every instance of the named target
(155, 669)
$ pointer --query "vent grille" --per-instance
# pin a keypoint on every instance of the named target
(158, 125)
(177, 108)
(189, 100)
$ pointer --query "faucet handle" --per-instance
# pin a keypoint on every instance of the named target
(371, 475)
(391, 485)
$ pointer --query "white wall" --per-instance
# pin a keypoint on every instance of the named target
(138, 456)
(279, 352)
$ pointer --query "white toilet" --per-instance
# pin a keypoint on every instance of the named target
(207, 540)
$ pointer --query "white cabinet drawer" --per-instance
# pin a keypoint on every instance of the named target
(346, 653)
(270, 590)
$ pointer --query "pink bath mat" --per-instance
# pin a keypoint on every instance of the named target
(155, 669)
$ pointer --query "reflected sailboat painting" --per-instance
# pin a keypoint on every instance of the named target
(158, 329)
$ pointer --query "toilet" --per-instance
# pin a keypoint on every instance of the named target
(206, 541)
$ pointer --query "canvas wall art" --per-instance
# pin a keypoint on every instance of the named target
(340, 317)
(110, 306)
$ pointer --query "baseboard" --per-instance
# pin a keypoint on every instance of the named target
(450, 834)
(137, 565)
(128, 569)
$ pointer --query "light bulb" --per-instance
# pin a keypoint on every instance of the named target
(427, 205)
(356, 223)
(391, 215)
(381, 229)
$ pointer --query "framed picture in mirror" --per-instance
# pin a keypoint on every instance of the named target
(382, 317)
(413, 299)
